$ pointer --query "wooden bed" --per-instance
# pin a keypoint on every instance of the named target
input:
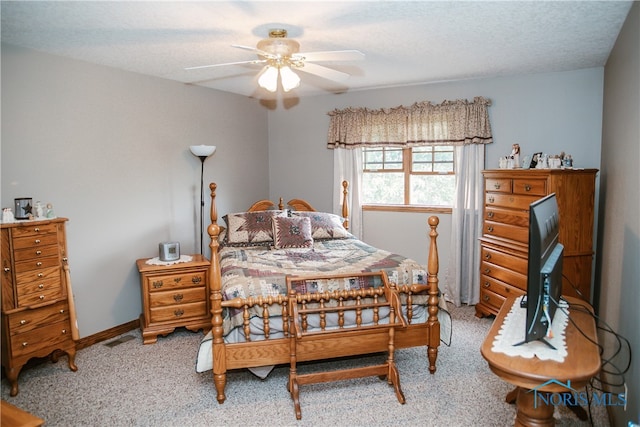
(275, 351)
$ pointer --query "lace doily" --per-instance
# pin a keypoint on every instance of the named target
(156, 260)
(513, 331)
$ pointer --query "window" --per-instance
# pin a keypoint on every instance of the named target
(421, 176)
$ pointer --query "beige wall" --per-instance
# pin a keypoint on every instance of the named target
(618, 269)
(110, 150)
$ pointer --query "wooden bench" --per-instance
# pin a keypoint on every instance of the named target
(338, 303)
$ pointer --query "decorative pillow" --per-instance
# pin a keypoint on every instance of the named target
(325, 225)
(292, 232)
(251, 227)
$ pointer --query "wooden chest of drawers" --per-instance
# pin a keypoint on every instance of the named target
(38, 314)
(174, 296)
(505, 236)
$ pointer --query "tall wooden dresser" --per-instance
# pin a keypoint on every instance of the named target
(38, 314)
(504, 241)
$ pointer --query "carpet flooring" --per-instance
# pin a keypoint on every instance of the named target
(125, 383)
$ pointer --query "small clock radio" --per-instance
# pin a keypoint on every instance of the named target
(169, 251)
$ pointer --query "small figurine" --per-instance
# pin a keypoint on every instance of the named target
(7, 215)
(39, 210)
(49, 212)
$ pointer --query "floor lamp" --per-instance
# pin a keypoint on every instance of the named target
(202, 152)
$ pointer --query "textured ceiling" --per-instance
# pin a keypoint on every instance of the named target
(404, 42)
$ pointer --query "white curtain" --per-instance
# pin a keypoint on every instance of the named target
(347, 165)
(462, 279)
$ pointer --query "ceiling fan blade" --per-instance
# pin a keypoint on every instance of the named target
(253, 49)
(324, 72)
(255, 61)
(334, 55)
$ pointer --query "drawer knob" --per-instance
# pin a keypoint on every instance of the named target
(490, 229)
(178, 312)
(37, 241)
(7, 269)
(41, 286)
(178, 297)
(157, 284)
(487, 256)
(491, 199)
(24, 344)
(38, 252)
(496, 185)
(487, 285)
(196, 279)
(177, 279)
(40, 275)
(39, 264)
(490, 214)
(486, 298)
(41, 297)
(64, 331)
(36, 229)
(487, 270)
(62, 311)
(527, 187)
(23, 322)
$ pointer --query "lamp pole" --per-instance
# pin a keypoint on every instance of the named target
(202, 152)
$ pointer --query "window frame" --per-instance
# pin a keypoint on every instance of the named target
(407, 170)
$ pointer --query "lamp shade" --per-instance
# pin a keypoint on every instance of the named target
(289, 79)
(269, 79)
(202, 150)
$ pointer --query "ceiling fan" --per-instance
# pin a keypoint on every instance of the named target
(280, 56)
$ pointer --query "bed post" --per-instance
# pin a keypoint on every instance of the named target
(215, 284)
(432, 302)
(345, 204)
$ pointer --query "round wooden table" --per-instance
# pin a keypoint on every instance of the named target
(544, 376)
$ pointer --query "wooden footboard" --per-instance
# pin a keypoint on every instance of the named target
(275, 351)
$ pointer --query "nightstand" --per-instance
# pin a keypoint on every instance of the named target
(175, 295)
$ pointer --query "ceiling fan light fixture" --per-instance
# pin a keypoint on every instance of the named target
(289, 79)
(269, 79)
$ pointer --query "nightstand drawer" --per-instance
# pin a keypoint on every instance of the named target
(178, 312)
(173, 281)
(179, 296)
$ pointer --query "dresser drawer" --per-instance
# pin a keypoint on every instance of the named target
(178, 296)
(511, 262)
(48, 294)
(28, 320)
(507, 216)
(36, 252)
(37, 264)
(510, 201)
(506, 231)
(182, 280)
(504, 274)
(499, 185)
(491, 299)
(34, 230)
(178, 312)
(43, 338)
(35, 240)
(29, 276)
(537, 187)
(39, 286)
(488, 283)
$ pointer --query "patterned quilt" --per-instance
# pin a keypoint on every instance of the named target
(260, 271)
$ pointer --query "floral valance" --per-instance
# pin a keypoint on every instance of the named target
(449, 123)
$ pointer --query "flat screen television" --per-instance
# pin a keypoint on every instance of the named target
(544, 272)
